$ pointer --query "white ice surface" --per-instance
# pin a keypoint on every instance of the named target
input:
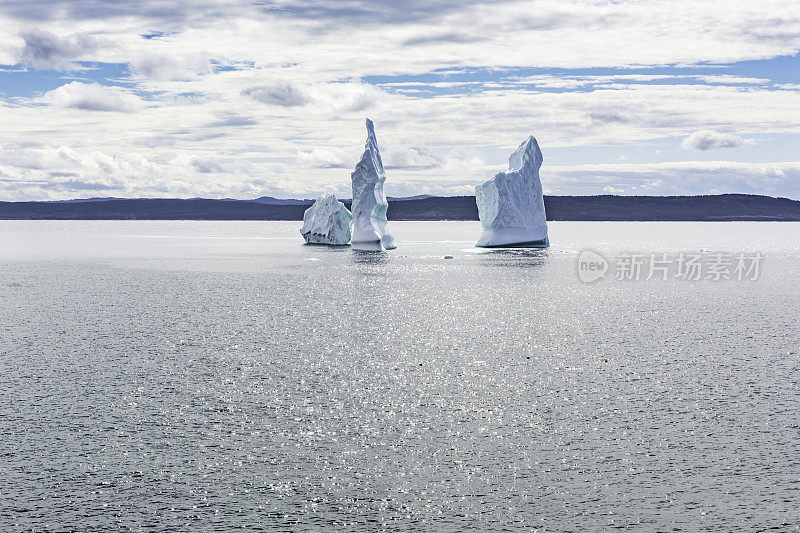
(511, 205)
(327, 221)
(369, 202)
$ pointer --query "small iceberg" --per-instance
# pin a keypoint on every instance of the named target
(511, 205)
(369, 202)
(327, 221)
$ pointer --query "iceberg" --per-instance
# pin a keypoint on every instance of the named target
(511, 205)
(327, 221)
(369, 203)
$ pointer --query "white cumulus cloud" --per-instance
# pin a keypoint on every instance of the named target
(44, 49)
(415, 157)
(320, 158)
(712, 140)
(279, 93)
(164, 67)
(93, 97)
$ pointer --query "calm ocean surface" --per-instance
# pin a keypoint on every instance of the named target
(204, 376)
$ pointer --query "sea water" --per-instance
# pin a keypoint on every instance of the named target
(204, 376)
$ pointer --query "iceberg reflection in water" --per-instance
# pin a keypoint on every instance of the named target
(515, 257)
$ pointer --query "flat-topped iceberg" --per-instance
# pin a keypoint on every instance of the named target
(511, 205)
(369, 203)
(327, 221)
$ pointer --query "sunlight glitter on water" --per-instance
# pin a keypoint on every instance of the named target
(216, 376)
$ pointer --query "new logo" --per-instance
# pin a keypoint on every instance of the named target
(592, 266)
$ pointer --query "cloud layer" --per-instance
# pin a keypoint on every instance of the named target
(241, 99)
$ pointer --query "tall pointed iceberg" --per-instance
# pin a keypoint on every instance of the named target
(369, 203)
(327, 221)
(511, 205)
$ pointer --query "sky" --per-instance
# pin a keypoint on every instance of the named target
(241, 99)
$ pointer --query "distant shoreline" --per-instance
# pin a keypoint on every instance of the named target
(707, 208)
